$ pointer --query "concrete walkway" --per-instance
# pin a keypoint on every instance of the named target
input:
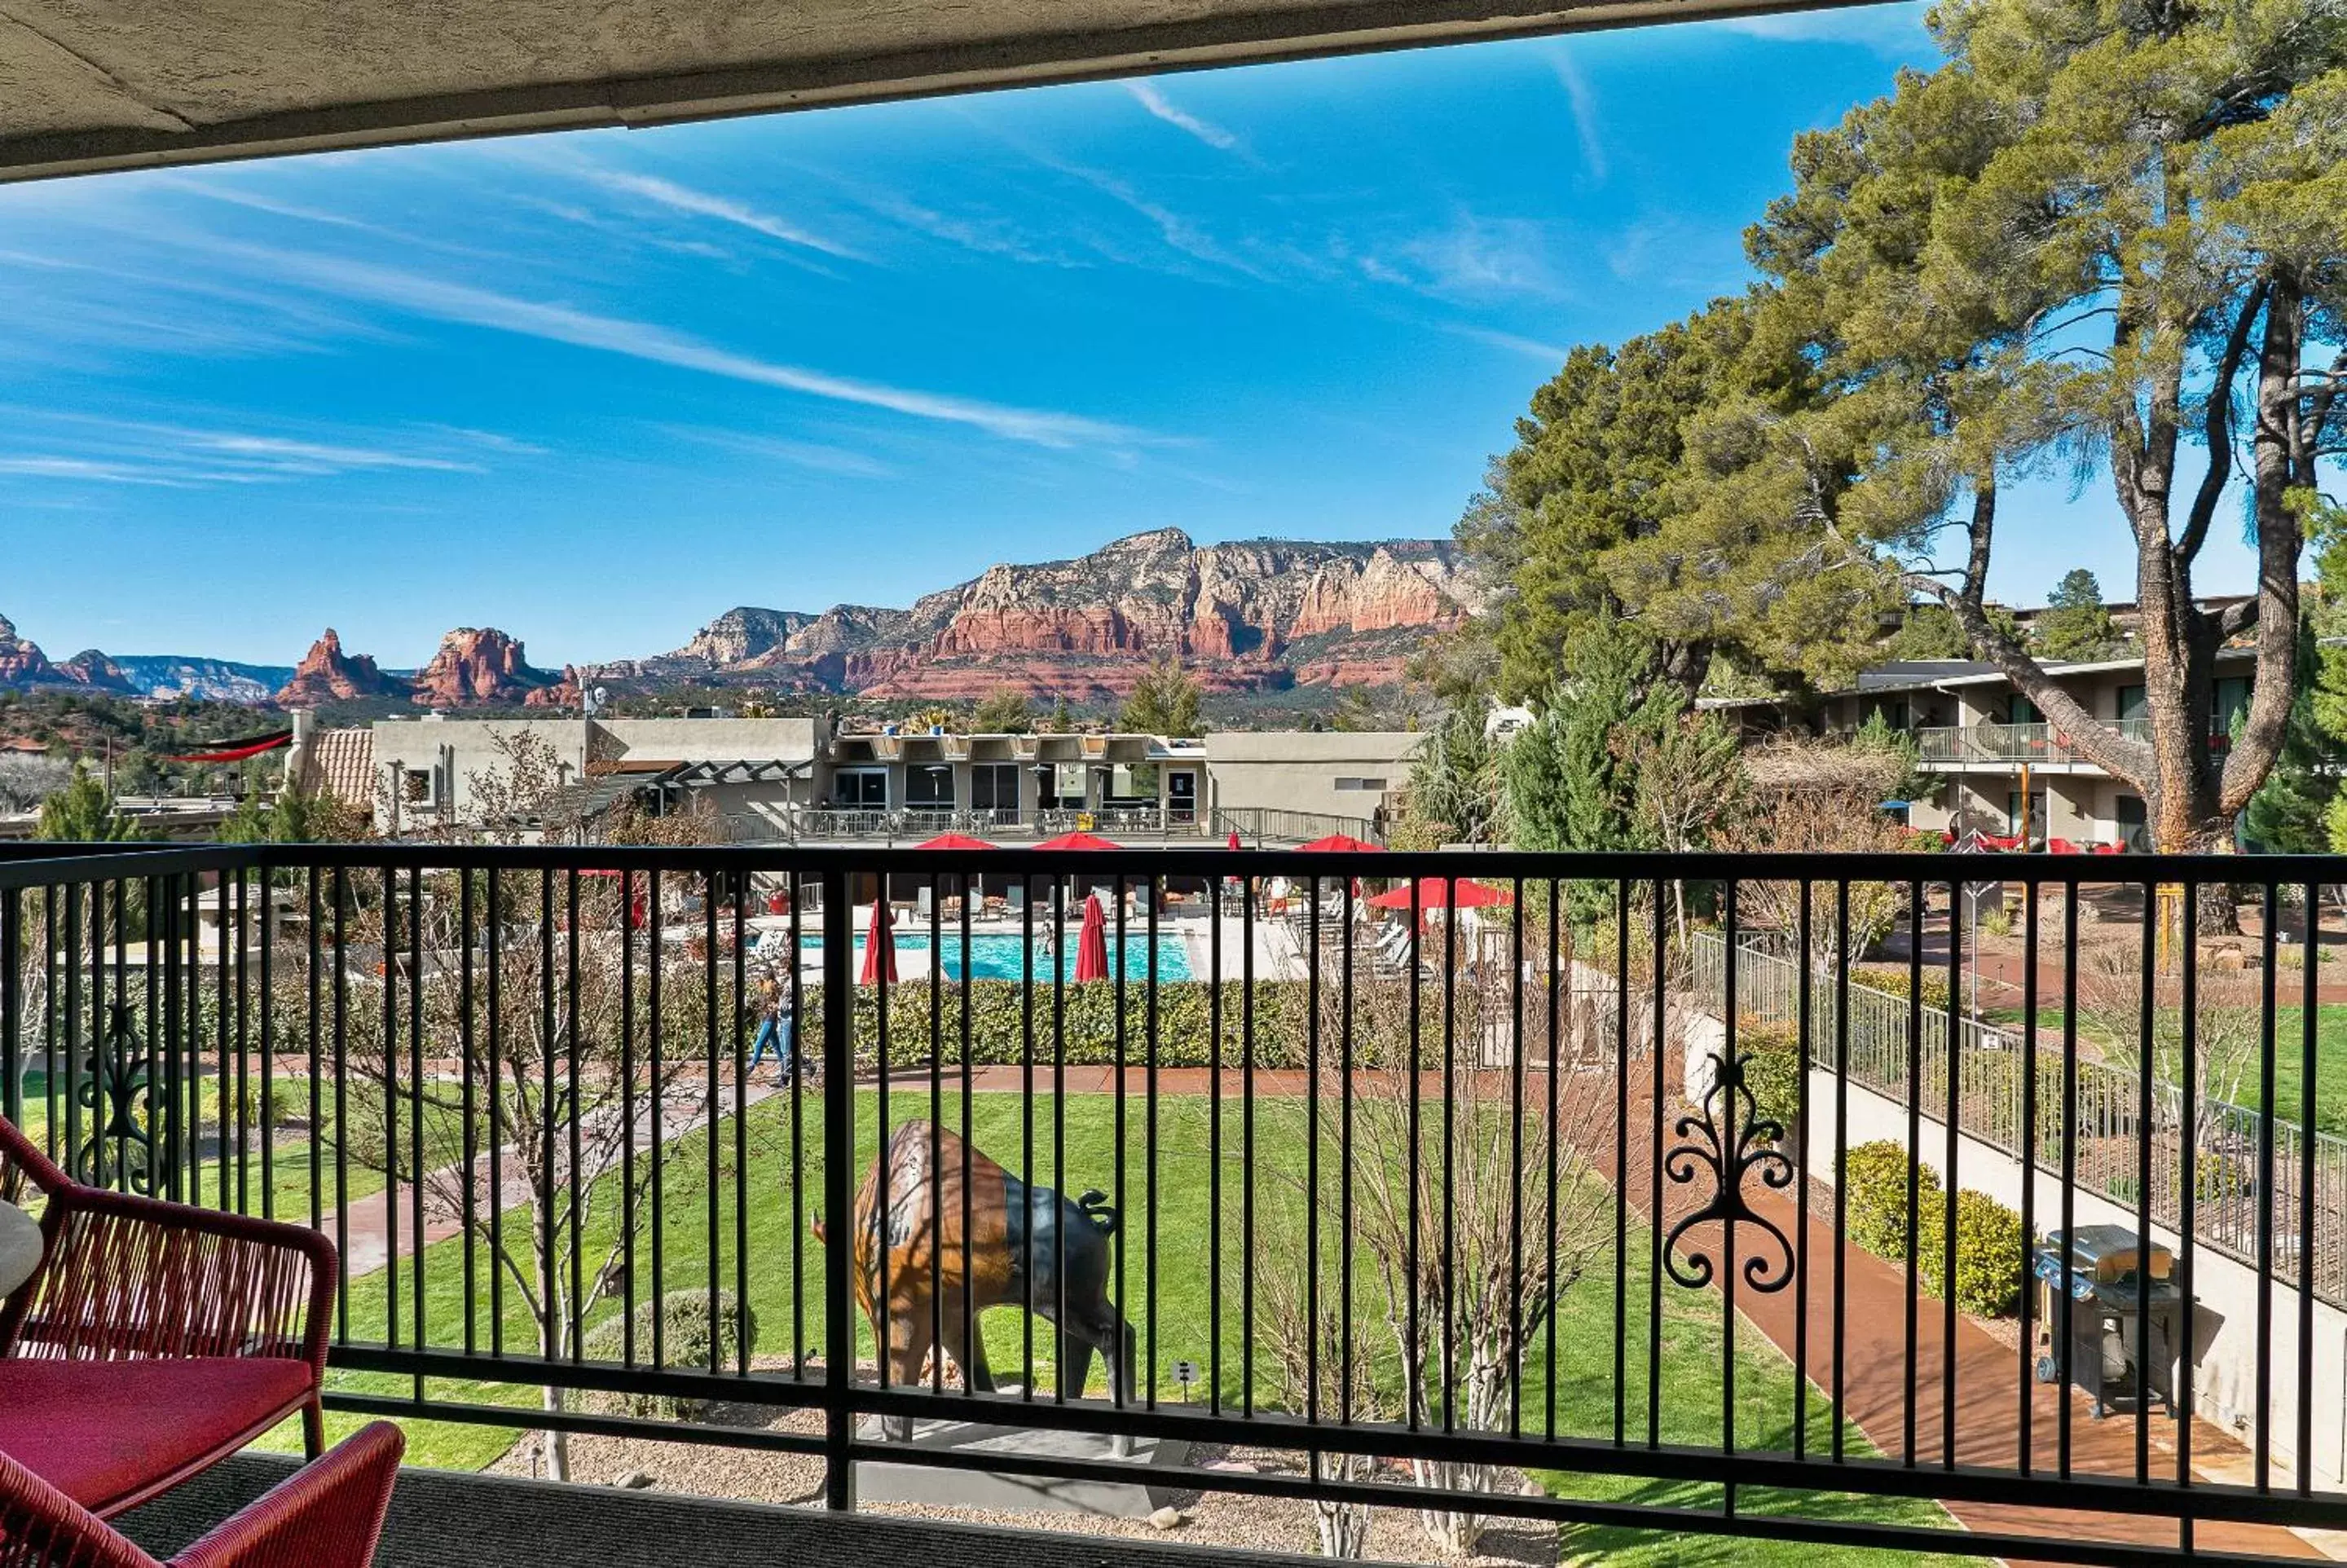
(365, 1240)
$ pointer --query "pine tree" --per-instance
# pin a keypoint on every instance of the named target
(2076, 625)
(83, 813)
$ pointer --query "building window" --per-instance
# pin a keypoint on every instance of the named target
(2132, 704)
(929, 786)
(1376, 784)
(416, 786)
(1132, 783)
(861, 789)
(994, 786)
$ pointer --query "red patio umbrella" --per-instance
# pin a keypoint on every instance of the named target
(1078, 841)
(953, 841)
(1234, 843)
(1091, 942)
(1436, 892)
(1342, 843)
(879, 946)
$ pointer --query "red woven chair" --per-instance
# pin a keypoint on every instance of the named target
(155, 1339)
(326, 1516)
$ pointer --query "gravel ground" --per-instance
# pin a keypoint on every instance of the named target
(1219, 1521)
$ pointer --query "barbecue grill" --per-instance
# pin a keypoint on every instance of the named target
(2123, 1317)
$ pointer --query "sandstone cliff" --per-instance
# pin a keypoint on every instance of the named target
(327, 674)
(1256, 614)
(22, 663)
(478, 664)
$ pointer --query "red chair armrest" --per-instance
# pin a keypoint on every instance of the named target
(21, 1164)
(201, 1282)
(326, 1516)
(46, 1526)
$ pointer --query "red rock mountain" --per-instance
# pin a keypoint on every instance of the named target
(1251, 615)
(327, 674)
(478, 664)
(22, 663)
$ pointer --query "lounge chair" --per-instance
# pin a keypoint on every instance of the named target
(155, 1338)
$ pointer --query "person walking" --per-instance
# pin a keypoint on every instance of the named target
(777, 1027)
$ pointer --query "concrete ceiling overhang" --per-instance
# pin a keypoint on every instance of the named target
(94, 85)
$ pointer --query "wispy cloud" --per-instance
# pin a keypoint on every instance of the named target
(1891, 30)
(986, 236)
(84, 470)
(1176, 230)
(1156, 103)
(1584, 102)
(1474, 258)
(1532, 348)
(818, 456)
(441, 299)
(70, 445)
(707, 204)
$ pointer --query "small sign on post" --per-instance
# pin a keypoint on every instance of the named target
(1185, 1375)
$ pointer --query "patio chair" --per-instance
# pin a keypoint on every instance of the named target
(155, 1338)
(328, 1515)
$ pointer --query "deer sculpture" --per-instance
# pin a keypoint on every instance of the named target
(939, 1277)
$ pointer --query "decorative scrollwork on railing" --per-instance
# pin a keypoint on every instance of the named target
(1734, 1142)
(117, 1090)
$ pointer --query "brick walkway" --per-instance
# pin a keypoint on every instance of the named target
(1988, 1380)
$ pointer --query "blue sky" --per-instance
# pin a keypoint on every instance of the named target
(596, 388)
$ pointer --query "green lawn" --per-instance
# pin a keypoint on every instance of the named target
(2330, 1056)
(1182, 1302)
(278, 1185)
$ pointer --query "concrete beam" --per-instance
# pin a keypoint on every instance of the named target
(88, 85)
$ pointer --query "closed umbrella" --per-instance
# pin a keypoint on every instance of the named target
(1441, 893)
(1234, 843)
(1091, 942)
(879, 946)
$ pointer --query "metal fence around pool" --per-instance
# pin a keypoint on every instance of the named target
(1395, 1187)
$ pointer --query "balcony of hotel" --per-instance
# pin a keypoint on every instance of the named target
(1400, 1202)
(2003, 748)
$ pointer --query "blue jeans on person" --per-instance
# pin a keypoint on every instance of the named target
(778, 1032)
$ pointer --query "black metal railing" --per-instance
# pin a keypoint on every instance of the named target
(1416, 1195)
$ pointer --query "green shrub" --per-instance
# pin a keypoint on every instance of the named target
(283, 1104)
(1772, 1069)
(684, 1345)
(1876, 1182)
(1989, 1262)
(1892, 980)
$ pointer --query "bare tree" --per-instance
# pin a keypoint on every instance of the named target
(1818, 799)
(2225, 1030)
(1471, 1243)
(557, 1064)
(25, 781)
(1337, 1364)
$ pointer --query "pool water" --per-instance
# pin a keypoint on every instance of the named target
(1001, 955)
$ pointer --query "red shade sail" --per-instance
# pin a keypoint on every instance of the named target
(1078, 841)
(1091, 942)
(1437, 893)
(879, 946)
(1343, 843)
(953, 841)
(239, 750)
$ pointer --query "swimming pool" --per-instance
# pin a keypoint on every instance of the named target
(1002, 955)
